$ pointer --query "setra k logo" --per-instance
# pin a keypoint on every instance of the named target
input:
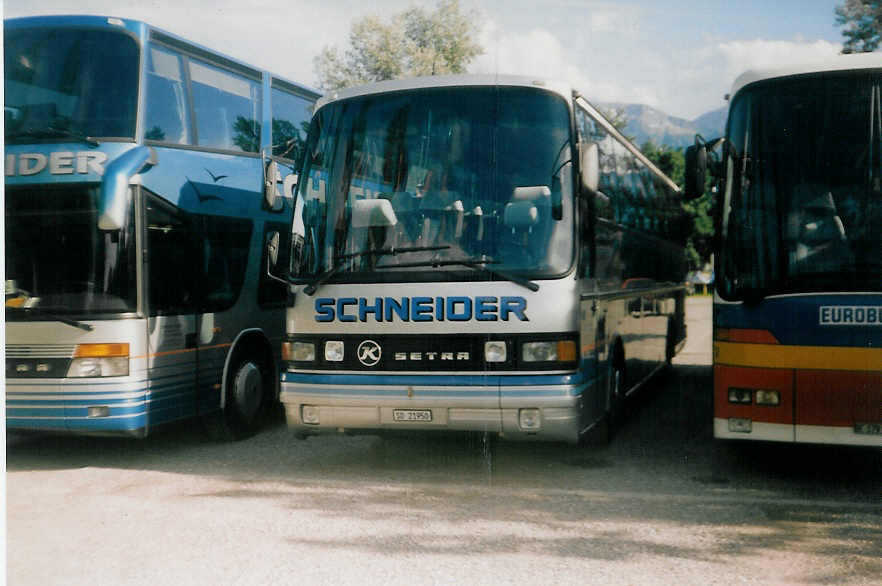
(369, 353)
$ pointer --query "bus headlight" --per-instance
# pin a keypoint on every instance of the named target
(298, 351)
(495, 351)
(740, 396)
(551, 351)
(98, 360)
(334, 351)
(771, 398)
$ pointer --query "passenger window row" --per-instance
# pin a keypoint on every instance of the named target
(196, 103)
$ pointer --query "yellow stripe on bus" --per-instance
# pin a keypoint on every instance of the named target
(798, 357)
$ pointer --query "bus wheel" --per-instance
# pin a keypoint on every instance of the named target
(615, 400)
(245, 395)
(603, 432)
(670, 344)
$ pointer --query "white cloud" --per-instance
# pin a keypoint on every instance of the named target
(605, 49)
(741, 55)
(702, 77)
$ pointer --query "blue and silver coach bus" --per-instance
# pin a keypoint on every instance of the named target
(477, 253)
(143, 174)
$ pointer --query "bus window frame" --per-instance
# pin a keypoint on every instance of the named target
(187, 51)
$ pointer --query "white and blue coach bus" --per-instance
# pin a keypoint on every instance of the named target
(477, 253)
(142, 176)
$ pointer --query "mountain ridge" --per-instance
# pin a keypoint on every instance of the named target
(647, 123)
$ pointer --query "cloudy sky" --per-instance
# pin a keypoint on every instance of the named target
(680, 56)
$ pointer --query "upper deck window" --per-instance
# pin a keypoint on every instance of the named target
(61, 83)
(227, 108)
(167, 117)
(291, 115)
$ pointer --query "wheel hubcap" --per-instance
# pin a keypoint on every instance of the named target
(247, 389)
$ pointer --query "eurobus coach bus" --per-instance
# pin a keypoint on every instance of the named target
(476, 253)
(798, 311)
(143, 173)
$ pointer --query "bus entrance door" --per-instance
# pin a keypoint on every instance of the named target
(173, 364)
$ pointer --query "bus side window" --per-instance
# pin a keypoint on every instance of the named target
(225, 248)
(172, 258)
(291, 116)
(167, 118)
(227, 107)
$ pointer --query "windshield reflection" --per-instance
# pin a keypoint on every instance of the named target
(70, 84)
(58, 260)
(477, 174)
(803, 206)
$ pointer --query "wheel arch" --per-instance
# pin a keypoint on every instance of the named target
(251, 340)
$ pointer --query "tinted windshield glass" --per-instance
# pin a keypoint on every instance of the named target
(57, 259)
(803, 208)
(474, 173)
(61, 81)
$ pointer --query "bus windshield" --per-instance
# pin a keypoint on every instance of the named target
(803, 201)
(405, 185)
(58, 260)
(69, 83)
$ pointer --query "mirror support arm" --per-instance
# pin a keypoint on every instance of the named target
(113, 197)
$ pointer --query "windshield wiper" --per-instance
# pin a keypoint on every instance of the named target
(476, 264)
(65, 320)
(324, 277)
(53, 132)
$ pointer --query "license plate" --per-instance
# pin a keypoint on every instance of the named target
(868, 428)
(412, 415)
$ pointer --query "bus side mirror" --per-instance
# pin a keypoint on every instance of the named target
(272, 249)
(273, 241)
(114, 195)
(589, 163)
(271, 177)
(696, 171)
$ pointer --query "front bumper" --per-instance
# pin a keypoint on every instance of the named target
(495, 404)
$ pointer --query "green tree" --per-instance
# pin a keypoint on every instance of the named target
(862, 22)
(699, 240)
(617, 118)
(414, 42)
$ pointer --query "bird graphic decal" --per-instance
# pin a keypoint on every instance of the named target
(214, 177)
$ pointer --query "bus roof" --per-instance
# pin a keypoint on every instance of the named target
(143, 31)
(463, 80)
(854, 61)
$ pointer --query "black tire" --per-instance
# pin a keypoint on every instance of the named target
(670, 343)
(616, 398)
(246, 396)
(605, 430)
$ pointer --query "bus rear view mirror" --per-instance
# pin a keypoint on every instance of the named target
(589, 161)
(114, 195)
(271, 179)
(696, 171)
(272, 248)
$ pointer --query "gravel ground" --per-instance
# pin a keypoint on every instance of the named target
(663, 504)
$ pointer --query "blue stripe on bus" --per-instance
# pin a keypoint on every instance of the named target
(396, 379)
(433, 380)
(795, 320)
(398, 392)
